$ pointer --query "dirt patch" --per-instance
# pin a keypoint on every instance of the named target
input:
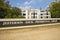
(38, 33)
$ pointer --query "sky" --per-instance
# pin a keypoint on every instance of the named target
(34, 4)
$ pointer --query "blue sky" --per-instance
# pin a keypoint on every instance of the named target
(25, 4)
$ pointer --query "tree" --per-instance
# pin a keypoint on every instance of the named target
(4, 8)
(6, 11)
(16, 12)
(55, 9)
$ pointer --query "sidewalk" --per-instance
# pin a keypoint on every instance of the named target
(17, 27)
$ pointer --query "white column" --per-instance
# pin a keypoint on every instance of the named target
(26, 14)
(38, 14)
(30, 15)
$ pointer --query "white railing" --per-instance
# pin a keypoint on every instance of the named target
(6, 22)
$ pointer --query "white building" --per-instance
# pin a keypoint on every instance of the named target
(35, 13)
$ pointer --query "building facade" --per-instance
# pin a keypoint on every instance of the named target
(35, 14)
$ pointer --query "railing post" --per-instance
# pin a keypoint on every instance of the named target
(1, 24)
(58, 21)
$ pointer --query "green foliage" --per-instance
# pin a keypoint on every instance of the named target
(16, 12)
(6, 11)
(55, 9)
(4, 8)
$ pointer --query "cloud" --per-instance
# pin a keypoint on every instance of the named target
(26, 7)
(28, 4)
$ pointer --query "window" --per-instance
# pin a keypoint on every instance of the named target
(41, 17)
(24, 14)
(47, 17)
(41, 14)
(34, 15)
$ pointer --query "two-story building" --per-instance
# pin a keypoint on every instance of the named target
(35, 14)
